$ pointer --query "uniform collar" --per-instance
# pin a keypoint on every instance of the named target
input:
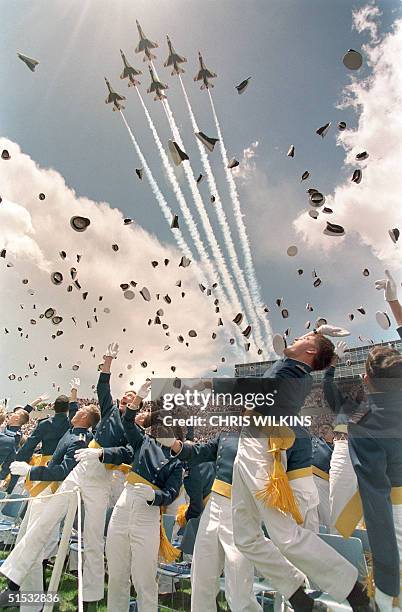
(79, 430)
(60, 416)
(13, 428)
(300, 364)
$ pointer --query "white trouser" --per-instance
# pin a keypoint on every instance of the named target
(397, 514)
(34, 580)
(324, 515)
(93, 480)
(307, 498)
(132, 546)
(215, 551)
(291, 546)
(342, 481)
(116, 488)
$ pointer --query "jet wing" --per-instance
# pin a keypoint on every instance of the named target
(209, 74)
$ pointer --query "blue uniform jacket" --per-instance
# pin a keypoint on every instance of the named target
(341, 405)
(62, 462)
(222, 450)
(198, 481)
(8, 445)
(322, 453)
(153, 462)
(300, 454)
(375, 445)
(110, 429)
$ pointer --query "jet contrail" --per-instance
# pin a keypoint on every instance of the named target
(167, 213)
(225, 226)
(231, 296)
(248, 260)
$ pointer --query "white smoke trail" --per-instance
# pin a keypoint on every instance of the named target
(244, 241)
(192, 226)
(167, 213)
(225, 226)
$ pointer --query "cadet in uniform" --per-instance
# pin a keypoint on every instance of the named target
(292, 549)
(9, 439)
(214, 548)
(322, 453)
(26, 558)
(135, 536)
(375, 442)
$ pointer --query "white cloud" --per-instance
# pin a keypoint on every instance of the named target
(365, 19)
(33, 232)
(370, 209)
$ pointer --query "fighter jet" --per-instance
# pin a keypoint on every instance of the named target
(145, 45)
(29, 61)
(204, 74)
(174, 59)
(114, 98)
(129, 72)
(156, 86)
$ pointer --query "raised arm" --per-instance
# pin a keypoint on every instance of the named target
(103, 387)
(60, 471)
(194, 454)
(73, 405)
(135, 434)
(391, 296)
(34, 439)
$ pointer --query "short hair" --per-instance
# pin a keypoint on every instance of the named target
(325, 353)
(61, 404)
(384, 368)
(3, 414)
(24, 415)
(93, 413)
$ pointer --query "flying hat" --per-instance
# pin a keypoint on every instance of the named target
(278, 344)
(212, 198)
(5, 154)
(79, 224)
(145, 294)
(323, 130)
(300, 271)
(85, 295)
(361, 310)
(128, 221)
(56, 320)
(184, 262)
(115, 247)
(233, 163)
(317, 199)
(383, 319)
(292, 251)
(327, 211)
(56, 278)
(317, 282)
(342, 126)
(333, 229)
(357, 176)
(313, 213)
(247, 331)
(139, 172)
(305, 175)
(199, 179)
(307, 325)
(291, 151)
(166, 262)
(154, 264)
(351, 316)
(238, 318)
(207, 141)
(394, 234)
(129, 294)
(192, 333)
(352, 60)
(366, 272)
(42, 196)
(177, 154)
(320, 321)
(285, 313)
(167, 299)
(175, 222)
(242, 86)
(361, 156)
(63, 254)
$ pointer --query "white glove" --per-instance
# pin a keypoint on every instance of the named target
(144, 491)
(112, 350)
(166, 441)
(331, 330)
(19, 468)
(340, 349)
(389, 286)
(88, 454)
(75, 383)
(144, 389)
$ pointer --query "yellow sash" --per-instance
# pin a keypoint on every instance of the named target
(300, 473)
(353, 512)
(166, 549)
(36, 487)
(222, 488)
(123, 467)
(182, 509)
(320, 473)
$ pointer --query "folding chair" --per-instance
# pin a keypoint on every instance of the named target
(11, 516)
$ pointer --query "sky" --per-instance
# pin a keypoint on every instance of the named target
(68, 144)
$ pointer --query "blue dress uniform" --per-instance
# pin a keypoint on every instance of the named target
(47, 434)
(375, 443)
(197, 481)
(214, 546)
(135, 536)
(24, 564)
(8, 445)
(293, 551)
(322, 453)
